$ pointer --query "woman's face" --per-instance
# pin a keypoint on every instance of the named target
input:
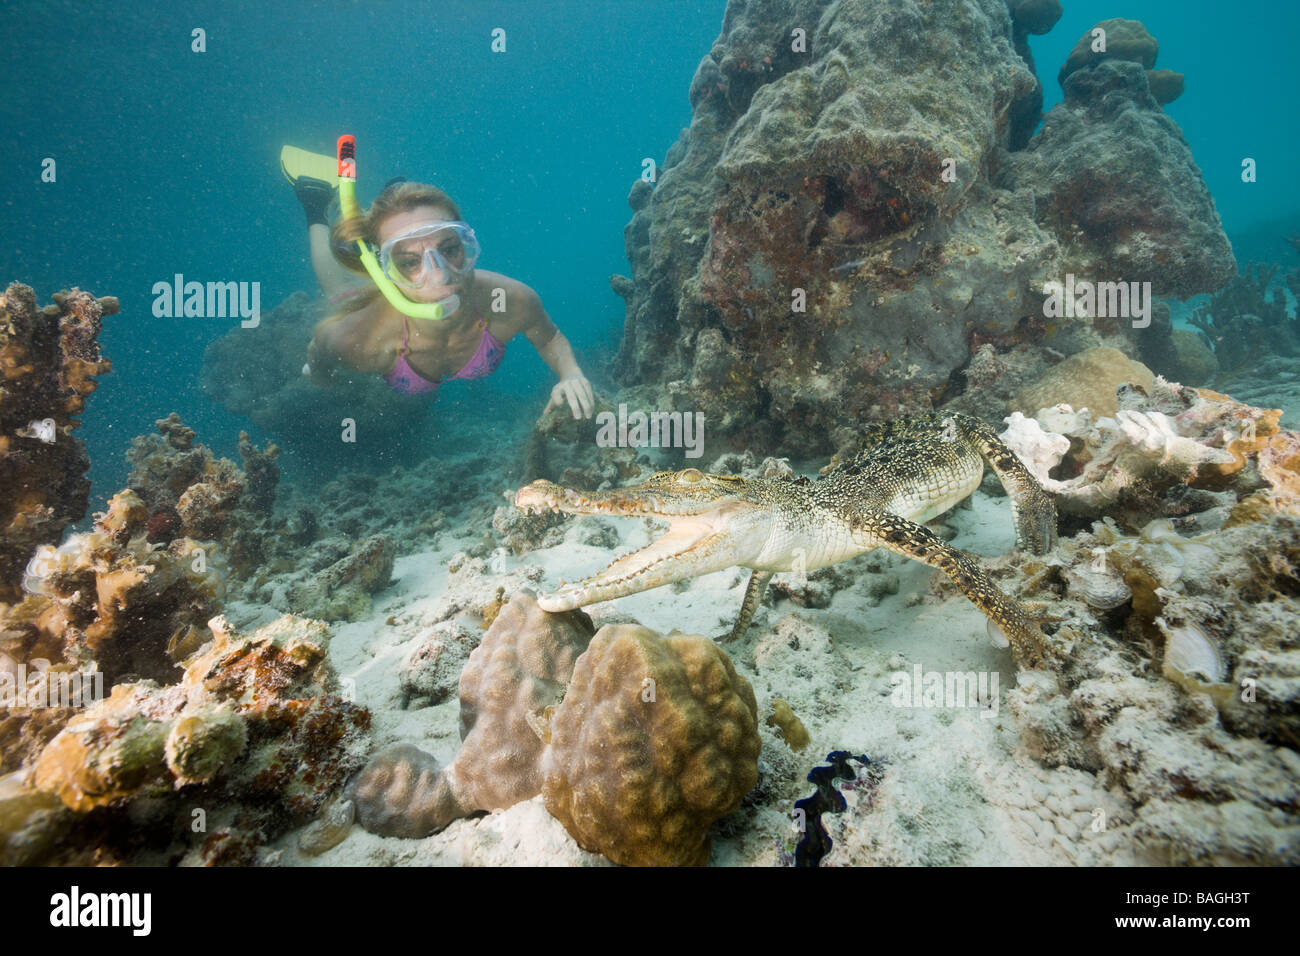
(438, 284)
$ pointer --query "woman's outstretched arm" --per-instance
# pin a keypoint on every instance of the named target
(556, 352)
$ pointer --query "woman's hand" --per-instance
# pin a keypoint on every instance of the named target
(575, 390)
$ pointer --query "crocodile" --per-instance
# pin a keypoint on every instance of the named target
(901, 474)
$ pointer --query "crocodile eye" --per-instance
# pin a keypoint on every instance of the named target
(690, 474)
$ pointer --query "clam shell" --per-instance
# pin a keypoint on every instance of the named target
(1190, 653)
(997, 636)
(1102, 590)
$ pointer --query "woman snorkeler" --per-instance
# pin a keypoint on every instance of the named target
(429, 253)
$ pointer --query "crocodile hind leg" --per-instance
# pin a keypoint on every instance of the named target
(884, 530)
(1032, 508)
(753, 594)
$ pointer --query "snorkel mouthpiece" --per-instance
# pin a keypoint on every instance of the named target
(351, 209)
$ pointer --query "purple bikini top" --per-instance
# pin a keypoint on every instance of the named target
(407, 381)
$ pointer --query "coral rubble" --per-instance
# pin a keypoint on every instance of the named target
(252, 740)
(1172, 453)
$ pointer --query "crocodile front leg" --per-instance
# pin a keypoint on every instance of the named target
(885, 530)
(1032, 507)
(753, 595)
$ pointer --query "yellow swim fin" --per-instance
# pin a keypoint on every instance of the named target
(297, 163)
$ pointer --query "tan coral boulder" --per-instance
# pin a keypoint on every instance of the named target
(656, 738)
(518, 670)
(1087, 379)
(1124, 40)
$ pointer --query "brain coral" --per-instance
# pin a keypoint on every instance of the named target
(656, 738)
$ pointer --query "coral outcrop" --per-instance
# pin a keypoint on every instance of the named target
(111, 601)
(828, 195)
(519, 669)
(49, 359)
(1114, 179)
(1087, 379)
(637, 742)
(190, 492)
(676, 730)
(1126, 40)
(254, 735)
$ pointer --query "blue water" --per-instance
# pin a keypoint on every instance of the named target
(168, 159)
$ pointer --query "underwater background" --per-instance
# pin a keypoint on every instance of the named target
(1082, 655)
(168, 159)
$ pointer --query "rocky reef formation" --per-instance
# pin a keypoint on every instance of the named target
(848, 220)
(49, 358)
(254, 739)
(1115, 182)
(674, 726)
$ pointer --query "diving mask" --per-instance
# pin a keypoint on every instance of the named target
(442, 251)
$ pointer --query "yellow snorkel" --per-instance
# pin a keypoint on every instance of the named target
(351, 209)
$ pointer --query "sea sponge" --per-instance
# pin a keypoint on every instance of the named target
(204, 742)
(518, 670)
(657, 737)
(787, 721)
